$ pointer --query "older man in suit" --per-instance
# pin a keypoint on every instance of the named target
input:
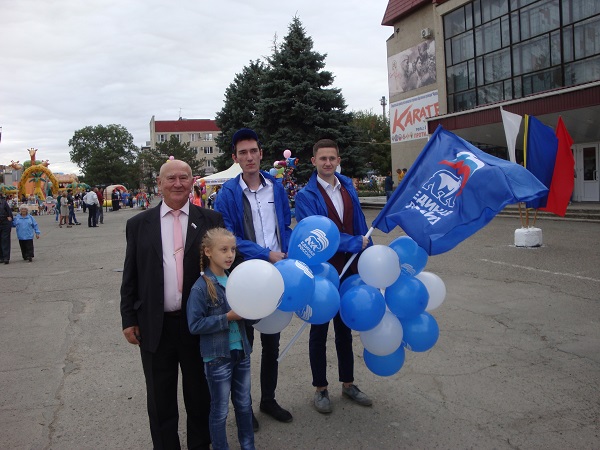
(154, 295)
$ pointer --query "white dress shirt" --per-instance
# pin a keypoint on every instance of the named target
(264, 218)
(335, 194)
(172, 295)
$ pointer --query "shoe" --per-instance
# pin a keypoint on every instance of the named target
(6, 261)
(354, 393)
(69, 226)
(255, 426)
(29, 259)
(275, 411)
(322, 402)
(78, 223)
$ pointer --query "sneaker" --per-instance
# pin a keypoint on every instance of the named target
(255, 426)
(322, 402)
(273, 409)
(354, 393)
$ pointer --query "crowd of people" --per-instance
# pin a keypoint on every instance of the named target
(175, 307)
(20, 214)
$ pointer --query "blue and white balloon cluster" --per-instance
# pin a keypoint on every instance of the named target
(398, 319)
(387, 302)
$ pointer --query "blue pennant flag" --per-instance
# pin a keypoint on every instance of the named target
(452, 190)
(541, 146)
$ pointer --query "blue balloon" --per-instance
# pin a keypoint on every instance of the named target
(362, 307)
(273, 172)
(323, 305)
(351, 281)
(413, 258)
(385, 366)
(407, 297)
(314, 240)
(326, 270)
(299, 284)
(420, 333)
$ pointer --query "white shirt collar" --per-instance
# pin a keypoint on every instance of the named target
(326, 185)
(263, 182)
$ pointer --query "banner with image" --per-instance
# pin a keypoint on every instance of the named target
(412, 68)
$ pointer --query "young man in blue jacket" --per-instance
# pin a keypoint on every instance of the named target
(332, 195)
(255, 209)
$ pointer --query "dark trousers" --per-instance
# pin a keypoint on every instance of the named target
(5, 228)
(161, 370)
(92, 215)
(99, 215)
(269, 366)
(317, 349)
(26, 248)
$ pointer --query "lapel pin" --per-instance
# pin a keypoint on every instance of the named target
(194, 226)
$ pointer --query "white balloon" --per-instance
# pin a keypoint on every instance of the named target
(379, 266)
(436, 288)
(254, 289)
(385, 338)
(275, 322)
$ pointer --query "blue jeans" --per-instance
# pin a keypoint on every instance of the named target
(225, 376)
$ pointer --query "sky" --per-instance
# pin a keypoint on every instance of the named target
(68, 64)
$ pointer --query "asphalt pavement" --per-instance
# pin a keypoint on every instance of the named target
(517, 364)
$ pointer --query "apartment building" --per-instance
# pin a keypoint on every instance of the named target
(199, 133)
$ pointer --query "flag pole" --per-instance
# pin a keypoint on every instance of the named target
(305, 324)
(521, 215)
(535, 217)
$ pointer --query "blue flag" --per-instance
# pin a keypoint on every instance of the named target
(541, 146)
(452, 190)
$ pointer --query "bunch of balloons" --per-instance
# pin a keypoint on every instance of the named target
(388, 302)
(303, 283)
(397, 319)
(202, 186)
(283, 171)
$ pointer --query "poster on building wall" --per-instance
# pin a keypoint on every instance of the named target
(407, 117)
(412, 68)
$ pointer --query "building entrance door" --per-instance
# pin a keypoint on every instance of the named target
(587, 162)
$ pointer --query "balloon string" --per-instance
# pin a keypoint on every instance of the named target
(368, 235)
(294, 339)
(305, 324)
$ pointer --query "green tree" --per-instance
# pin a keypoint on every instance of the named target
(373, 140)
(298, 106)
(105, 155)
(151, 160)
(239, 108)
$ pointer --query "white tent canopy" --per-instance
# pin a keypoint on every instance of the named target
(222, 177)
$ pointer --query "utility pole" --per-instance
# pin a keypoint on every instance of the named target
(383, 104)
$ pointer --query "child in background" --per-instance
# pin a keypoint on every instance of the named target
(224, 346)
(26, 227)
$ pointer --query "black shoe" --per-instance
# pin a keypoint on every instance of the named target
(29, 259)
(275, 411)
(6, 261)
(255, 426)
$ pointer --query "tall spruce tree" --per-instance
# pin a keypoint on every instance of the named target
(298, 106)
(239, 108)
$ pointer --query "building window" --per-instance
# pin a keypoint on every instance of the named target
(194, 137)
(207, 150)
(177, 136)
(209, 163)
(195, 150)
(499, 50)
(208, 136)
(161, 138)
